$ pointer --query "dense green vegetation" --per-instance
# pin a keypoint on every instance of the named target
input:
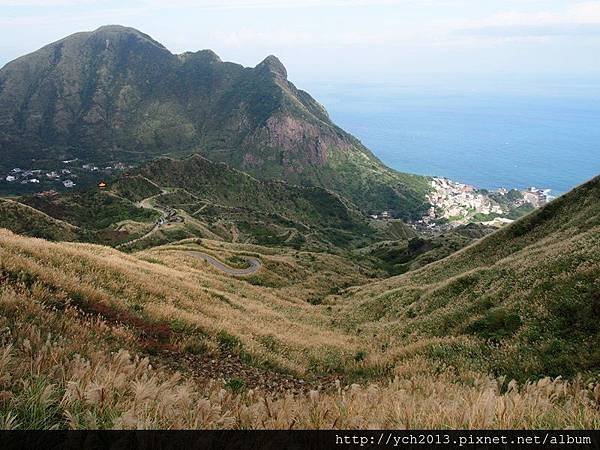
(209, 200)
(31, 222)
(131, 100)
(134, 188)
(91, 209)
(204, 181)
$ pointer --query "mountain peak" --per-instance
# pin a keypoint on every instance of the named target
(207, 56)
(105, 94)
(274, 65)
(118, 31)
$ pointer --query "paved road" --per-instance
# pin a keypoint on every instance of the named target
(254, 267)
(164, 218)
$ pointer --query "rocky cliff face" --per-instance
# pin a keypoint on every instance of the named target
(116, 94)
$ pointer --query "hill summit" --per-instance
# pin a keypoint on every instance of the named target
(117, 94)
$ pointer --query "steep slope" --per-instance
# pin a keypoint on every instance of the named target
(94, 339)
(523, 302)
(116, 94)
(29, 221)
(400, 256)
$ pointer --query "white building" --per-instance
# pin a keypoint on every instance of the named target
(10, 178)
(68, 183)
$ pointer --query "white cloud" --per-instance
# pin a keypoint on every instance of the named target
(274, 4)
(46, 2)
(254, 37)
(581, 20)
(582, 12)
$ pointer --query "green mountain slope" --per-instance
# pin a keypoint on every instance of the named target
(29, 221)
(222, 185)
(116, 94)
(523, 302)
(236, 206)
(194, 197)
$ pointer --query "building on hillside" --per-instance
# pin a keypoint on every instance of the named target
(34, 180)
(385, 215)
(10, 178)
(537, 197)
(50, 193)
(68, 183)
(102, 185)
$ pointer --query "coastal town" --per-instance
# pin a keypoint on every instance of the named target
(454, 204)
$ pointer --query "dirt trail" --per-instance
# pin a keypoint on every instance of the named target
(255, 264)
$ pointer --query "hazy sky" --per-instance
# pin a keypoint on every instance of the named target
(339, 40)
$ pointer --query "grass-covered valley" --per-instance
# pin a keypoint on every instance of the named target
(317, 336)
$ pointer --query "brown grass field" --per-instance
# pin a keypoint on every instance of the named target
(503, 334)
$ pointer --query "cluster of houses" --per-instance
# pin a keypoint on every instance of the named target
(458, 201)
(64, 176)
(18, 175)
(461, 203)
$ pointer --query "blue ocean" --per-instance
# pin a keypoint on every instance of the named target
(513, 134)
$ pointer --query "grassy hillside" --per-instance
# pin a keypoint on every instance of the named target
(523, 302)
(308, 340)
(98, 216)
(91, 209)
(209, 200)
(83, 323)
(197, 298)
(67, 369)
(28, 221)
(413, 251)
(221, 185)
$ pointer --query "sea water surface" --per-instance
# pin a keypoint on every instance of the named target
(513, 134)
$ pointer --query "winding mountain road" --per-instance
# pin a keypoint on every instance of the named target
(255, 264)
(147, 204)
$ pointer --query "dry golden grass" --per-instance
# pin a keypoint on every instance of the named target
(549, 288)
(523, 302)
(176, 287)
(65, 370)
